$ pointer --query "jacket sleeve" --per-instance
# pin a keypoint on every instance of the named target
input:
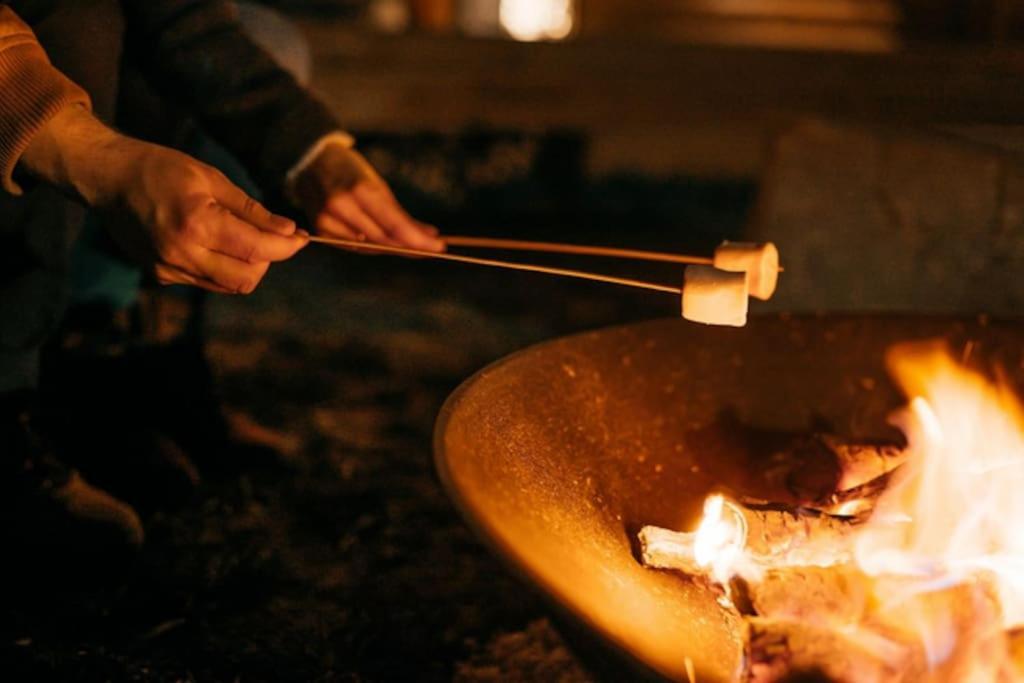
(32, 92)
(196, 53)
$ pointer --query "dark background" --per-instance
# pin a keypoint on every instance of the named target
(875, 141)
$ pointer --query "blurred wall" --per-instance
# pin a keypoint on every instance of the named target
(891, 219)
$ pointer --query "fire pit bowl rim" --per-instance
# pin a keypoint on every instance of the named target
(860, 334)
(574, 623)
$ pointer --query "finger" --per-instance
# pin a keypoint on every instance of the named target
(234, 237)
(170, 275)
(403, 228)
(248, 209)
(345, 209)
(327, 224)
(230, 273)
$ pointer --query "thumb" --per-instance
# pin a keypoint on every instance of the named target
(235, 200)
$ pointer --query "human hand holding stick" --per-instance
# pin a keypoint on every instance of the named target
(180, 219)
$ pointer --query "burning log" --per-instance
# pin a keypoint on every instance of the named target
(830, 618)
(1014, 670)
(666, 549)
(858, 502)
(836, 594)
(814, 595)
(928, 589)
(797, 537)
(777, 649)
(861, 463)
(821, 471)
(950, 634)
(830, 474)
(768, 536)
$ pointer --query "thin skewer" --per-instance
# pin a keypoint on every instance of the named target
(578, 249)
(563, 272)
(581, 249)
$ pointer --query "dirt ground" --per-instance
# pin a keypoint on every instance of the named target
(344, 560)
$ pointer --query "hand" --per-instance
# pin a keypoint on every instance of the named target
(181, 219)
(194, 226)
(345, 197)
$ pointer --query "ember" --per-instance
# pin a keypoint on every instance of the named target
(925, 582)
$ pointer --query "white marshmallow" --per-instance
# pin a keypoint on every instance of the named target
(715, 297)
(759, 261)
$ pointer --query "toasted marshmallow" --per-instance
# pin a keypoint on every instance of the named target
(715, 297)
(759, 261)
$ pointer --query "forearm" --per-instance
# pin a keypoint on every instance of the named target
(77, 153)
(180, 219)
(32, 92)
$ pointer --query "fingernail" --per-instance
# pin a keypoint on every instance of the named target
(285, 225)
(302, 233)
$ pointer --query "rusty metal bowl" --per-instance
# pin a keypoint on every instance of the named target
(558, 454)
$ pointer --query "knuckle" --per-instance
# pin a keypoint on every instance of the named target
(250, 251)
(172, 254)
(366, 189)
(164, 276)
(247, 286)
(247, 283)
(192, 227)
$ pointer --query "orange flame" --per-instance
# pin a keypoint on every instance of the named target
(951, 517)
(721, 539)
(957, 506)
(944, 547)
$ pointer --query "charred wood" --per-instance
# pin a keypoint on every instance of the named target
(776, 537)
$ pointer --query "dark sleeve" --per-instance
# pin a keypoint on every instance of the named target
(196, 53)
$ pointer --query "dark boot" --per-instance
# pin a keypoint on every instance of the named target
(161, 423)
(50, 517)
(172, 356)
(98, 405)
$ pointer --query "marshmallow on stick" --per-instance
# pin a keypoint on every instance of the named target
(715, 297)
(759, 261)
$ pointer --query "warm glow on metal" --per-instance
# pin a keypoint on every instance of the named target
(532, 20)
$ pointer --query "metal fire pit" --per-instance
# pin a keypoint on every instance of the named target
(558, 454)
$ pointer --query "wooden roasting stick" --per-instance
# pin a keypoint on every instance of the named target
(576, 249)
(508, 265)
